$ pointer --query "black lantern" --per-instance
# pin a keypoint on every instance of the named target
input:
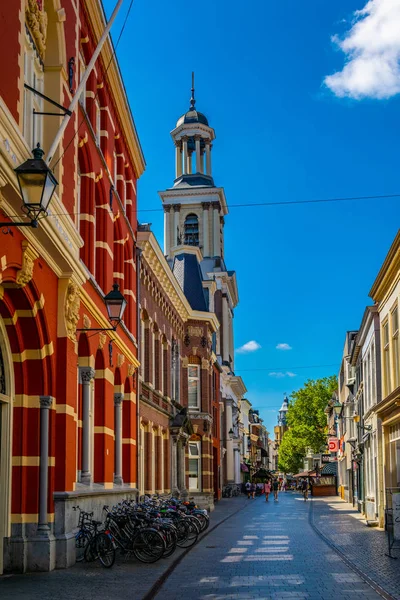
(36, 183)
(116, 304)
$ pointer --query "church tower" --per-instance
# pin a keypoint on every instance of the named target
(194, 212)
(194, 208)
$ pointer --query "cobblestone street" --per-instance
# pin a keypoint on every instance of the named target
(258, 550)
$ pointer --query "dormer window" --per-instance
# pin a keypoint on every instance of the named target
(192, 230)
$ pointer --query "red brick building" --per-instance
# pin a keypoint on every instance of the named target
(67, 397)
(179, 384)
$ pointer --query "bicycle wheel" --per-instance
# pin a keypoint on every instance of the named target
(105, 550)
(193, 534)
(81, 540)
(148, 546)
(171, 540)
(204, 520)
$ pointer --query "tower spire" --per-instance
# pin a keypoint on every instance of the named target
(192, 99)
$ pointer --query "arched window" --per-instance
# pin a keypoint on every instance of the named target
(192, 230)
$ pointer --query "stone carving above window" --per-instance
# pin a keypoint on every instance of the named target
(36, 21)
(72, 305)
(29, 255)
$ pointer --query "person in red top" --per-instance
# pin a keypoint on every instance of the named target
(267, 489)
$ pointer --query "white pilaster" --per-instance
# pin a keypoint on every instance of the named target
(225, 328)
(216, 230)
(206, 243)
(167, 230)
(178, 159)
(185, 154)
(176, 223)
(208, 158)
(198, 155)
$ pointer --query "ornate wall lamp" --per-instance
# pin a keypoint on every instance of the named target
(115, 304)
(37, 185)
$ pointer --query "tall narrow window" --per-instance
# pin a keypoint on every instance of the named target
(194, 387)
(98, 122)
(395, 347)
(386, 358)
(175, 371)
(33, 76)
(373, 376)
(195, 466)
(192, 230)
(142, 347)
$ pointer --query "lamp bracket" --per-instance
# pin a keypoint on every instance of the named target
(65, 111)
(5, 227)
(98, 329)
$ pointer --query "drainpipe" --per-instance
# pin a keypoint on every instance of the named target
(139, 353)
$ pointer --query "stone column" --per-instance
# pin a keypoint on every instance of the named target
(230, 470)
(202, 151)
(216, 230)
(177, 208)
(208, 158)
(167, 229)
(118, 397)
(185, 154)
(45, 405)
(174, 467)
(225, 328)
(198, 154)
(182, 471)
(236, 453)
(178, 159)
(86, 374)
(206, 243)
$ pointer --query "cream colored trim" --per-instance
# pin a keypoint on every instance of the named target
(21, 314)
(87, 217)
(105, 246)
(118, 275)
(41, 353)
(129, 293)
(102, 429)
(29, 518)
(66, 409)
(25, 401)
(129, 441)
(106, 374)
(31, 461)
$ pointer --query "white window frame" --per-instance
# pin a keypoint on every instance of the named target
(195, 482)
(195, 379)
(32, 128)
(386, 357)
(394, 318)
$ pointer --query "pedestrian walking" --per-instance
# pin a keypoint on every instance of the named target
(248, 489)
(283, 486)
(267, 489)
(275, 488)
(304, 489)
(253, 490)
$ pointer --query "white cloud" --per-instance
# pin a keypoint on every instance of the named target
(251, 346)
(372, 49)
(283, 347)
(280, 374)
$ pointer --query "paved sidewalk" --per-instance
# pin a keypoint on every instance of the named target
(364, 546)
(125, 581)
(266, 552)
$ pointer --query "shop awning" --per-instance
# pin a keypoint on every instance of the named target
(330, 469)
(244, 468)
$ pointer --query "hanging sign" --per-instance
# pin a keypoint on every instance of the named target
(333, 445)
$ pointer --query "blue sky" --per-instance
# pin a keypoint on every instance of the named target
(304, 272)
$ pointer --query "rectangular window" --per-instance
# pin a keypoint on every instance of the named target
(194, 466)
(194, 387)
(33, 76)
(386, 358)
(98, 122)
(175, 370)
(395, 347)
(373, 376)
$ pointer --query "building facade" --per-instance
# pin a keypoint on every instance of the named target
(386, 294)
(67, 397)
(179, 385)
(194, 218)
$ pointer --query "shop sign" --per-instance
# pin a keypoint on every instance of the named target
(325, 458)
(333, 445)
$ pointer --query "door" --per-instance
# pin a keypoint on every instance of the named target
(6, 386)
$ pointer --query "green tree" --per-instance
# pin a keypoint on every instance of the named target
(307, 422)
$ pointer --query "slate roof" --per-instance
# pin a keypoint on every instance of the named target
(187, 272)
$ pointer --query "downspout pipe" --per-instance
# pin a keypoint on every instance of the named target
(81, 86)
